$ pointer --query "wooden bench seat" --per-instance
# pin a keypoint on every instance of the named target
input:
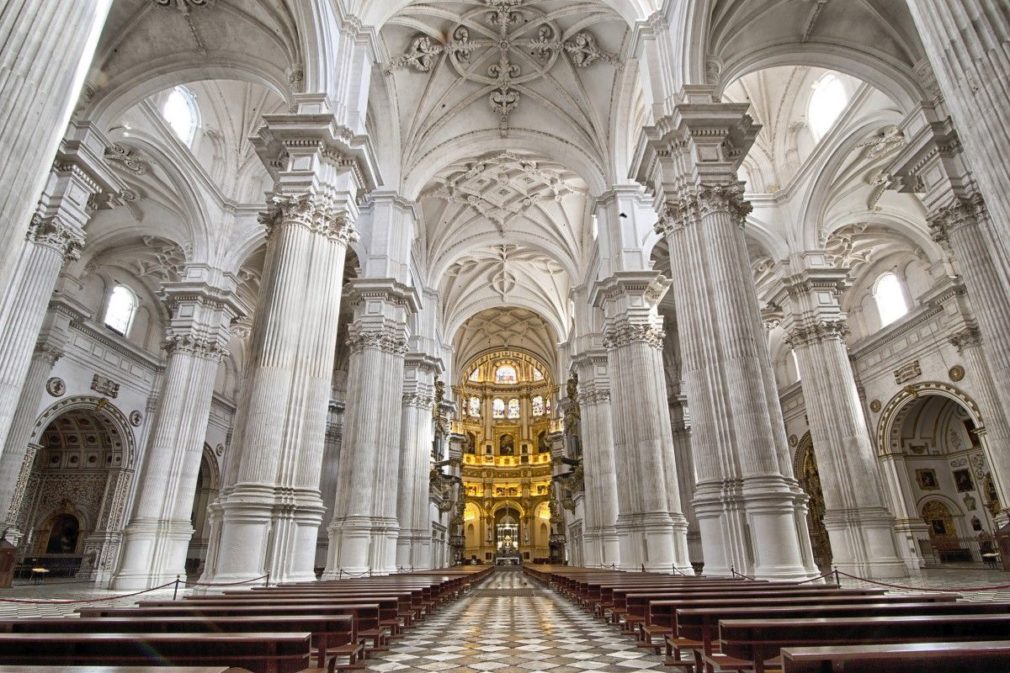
(262, 652)
(972, 657)
(332, 635)
(760, 640)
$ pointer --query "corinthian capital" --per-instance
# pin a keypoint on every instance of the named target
(317, 213)
(697, 201)
(388, 339)
(969, 337)
(53, 232)
(199, 345)
(817, 331)
(624, 332)
(963, 211)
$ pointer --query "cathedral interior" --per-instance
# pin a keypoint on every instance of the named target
(319, 289)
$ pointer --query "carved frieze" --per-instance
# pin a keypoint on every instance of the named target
(104, 386)
(907, 372)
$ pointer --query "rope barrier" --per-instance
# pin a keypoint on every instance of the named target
(819, 577)
(69, 601)
(1001, 587)
(225, 584)
(733, 571)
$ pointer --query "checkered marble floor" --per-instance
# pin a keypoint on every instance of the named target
(510, 625)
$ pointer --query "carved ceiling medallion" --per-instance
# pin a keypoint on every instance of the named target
(503, 45)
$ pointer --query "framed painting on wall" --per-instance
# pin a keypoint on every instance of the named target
(927, 479)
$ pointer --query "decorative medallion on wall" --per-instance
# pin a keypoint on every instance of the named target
(875, 406)
(55, 386)
(956, 373)
(793, 440)
(136, 418)
(907, 372)
(105, 386)
(219, 449)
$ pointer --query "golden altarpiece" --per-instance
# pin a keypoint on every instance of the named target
(507, 403)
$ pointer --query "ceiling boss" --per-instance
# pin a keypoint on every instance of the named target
(502, 47)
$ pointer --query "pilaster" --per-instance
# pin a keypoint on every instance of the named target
(365, 527)
(651, 529)
(859, 524)
(746, 491)
(158, 534)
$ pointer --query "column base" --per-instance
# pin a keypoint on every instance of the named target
(653, 542)
(361, 545)
(862, 543)
(154, 553)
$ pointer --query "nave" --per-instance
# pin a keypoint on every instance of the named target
(510, 624)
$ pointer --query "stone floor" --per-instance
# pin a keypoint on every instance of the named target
(510, 625)
(507, 625)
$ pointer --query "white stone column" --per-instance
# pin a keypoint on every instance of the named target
(964, 227)
(651, 529)
(328, 475)
(364, 528)
(16, 461)
(51, 242)
(413, 545)
(968, 45)
(602, 547)
(157, 537)
(46, 49)
(751, 512)
(269, 510)
(859, 524)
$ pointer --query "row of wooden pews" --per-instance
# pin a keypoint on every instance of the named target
(738, 624)
(313, 627)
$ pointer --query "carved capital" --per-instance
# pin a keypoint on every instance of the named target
(698, 201)
(418, 400)
(962, 212)
(623, 333)
(969, 337)
(125, 157)
(386, 338)
(196, 345)
(817, 332)
(50, 352)
(53, 232)
(318, 214)
(594, 396)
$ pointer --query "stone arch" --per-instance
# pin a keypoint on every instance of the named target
(893, 411)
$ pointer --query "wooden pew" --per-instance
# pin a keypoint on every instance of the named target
(663, 620)
(750, 643)
(332, 635)
(258, 652)
(972, 657)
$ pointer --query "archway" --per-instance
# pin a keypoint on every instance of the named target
(805, 468)
(937, 473)
(73, 502)
(208, 484)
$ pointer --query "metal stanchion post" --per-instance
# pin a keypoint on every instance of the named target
(175, 591)
(268, 579)
(838, 580)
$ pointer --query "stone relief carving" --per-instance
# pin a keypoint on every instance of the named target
(124, 156)
(65, 239)
(907, 372)
(317, 213)
(503, 45)
(624, 333)
(136, 418)
(105, 386)
(55, 386)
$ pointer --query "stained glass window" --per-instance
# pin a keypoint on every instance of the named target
(505, 374)
(513, 408)
(498, 408)
(475, 406)
(538, 405)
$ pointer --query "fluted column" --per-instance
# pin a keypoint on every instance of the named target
(413, 545)
(651, 529)
(602, 547)
(46, 49)
(269, 510)
(856, 517)
(16, 461)
(157, 537)
(995, 430)
(968, 45)
(751, 511)
(52, 240)
(364, 528)
(965, 227)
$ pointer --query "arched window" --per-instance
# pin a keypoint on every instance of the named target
(475, 406)
(796, 366)
(538, 405)
(890, 298)
(826, 104)
(513, 408)
(121, 309)
(497, 408)
(181, 113)
(505, 374)
(537, 375)
(475, 375)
